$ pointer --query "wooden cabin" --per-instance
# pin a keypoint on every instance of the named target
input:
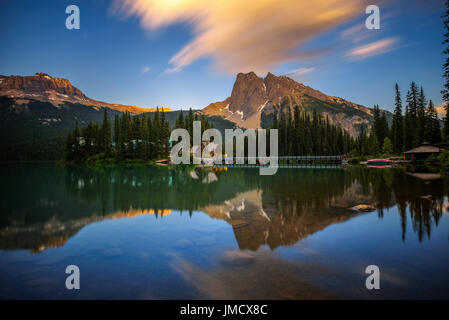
(422, 152)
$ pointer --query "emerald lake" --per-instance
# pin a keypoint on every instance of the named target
(227, 233)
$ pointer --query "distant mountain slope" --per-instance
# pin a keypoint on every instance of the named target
(24, 123)
(45, 88)
(41, 110)
(253, 98)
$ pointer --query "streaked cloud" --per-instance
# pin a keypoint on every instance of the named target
(241, 35)
(300, 71)
(373, 49)
(356, 33)
(145, 69)
(172, 70)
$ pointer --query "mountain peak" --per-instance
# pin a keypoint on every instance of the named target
(247, 76)
(253, 96)
(57, 91)
(42, 74)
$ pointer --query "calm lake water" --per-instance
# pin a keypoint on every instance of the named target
(154, 233)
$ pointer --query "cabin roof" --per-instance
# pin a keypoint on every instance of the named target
(425, 148)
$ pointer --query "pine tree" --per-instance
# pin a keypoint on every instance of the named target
(189, 123)
(398, 124)
(150, 140)
(157, 134)
(362, 143)
(135, 137)
(432, 130)
(179, 123)
(411, 118)
(373, 145)
(387, 148)
(116, 130)
(376, 121)
(296, 131)
(77, 139)
(165, 135)
(384, 131)
(70, 143)
(421, 115)
(106, 134)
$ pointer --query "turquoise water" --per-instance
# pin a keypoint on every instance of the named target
(149, 233)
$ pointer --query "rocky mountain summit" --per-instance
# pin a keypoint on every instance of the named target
(253, 97)
(45, 88)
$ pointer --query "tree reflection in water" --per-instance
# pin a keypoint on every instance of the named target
(44, 205)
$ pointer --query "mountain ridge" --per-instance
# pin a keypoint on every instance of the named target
(45, 88)
(253, 97)
(37, 112)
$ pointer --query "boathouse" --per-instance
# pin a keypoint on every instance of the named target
(422, 152)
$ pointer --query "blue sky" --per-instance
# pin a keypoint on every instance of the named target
(107, 57)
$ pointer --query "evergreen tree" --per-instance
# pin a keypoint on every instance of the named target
(300, 134)
(135, 137)
(380, 125)
(106, 134)
(189, 123)
(362, 144)
(398, 123)
(384, 131)
(70, 144)
(387, 148)
(77, 140)
(165, 135)
(411, 118)
(421, 115)
(179, 123)
(373, 145)
(157, 134)
(376, 121)
(116, 129)
(432, 130)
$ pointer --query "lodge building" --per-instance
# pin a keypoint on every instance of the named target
(422, 152)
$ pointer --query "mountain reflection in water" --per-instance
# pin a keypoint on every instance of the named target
(44, 205)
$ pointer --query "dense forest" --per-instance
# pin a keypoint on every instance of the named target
(146, 136)
(140, 137)
(408, 130)
(301, 134)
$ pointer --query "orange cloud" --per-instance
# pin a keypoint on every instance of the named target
(243, 35)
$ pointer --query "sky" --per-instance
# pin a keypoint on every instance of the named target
(186, 53)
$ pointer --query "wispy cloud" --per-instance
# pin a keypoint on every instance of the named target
(145, 69)
(356, 33)
(373, 49)
(300, 71)
(243, 35)
(171, 70)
